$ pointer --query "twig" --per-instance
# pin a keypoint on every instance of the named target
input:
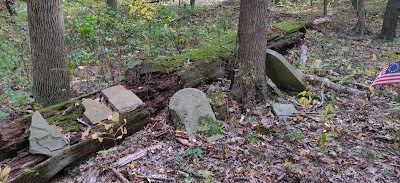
(119, 175)
(242, 178)
(155, 178)
(332, 85)
(83, 122)
(280, 177)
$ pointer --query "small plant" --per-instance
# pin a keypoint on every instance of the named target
(294, 134)
(304, 98)
(329, 109)
(109, 127)
(193, 154)
(291, 167)
(210, 126)
(253, 136)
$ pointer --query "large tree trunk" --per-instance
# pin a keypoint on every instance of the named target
(390, 20)
(360, 27)
(51, 78)
(249, 67)
(113, 4)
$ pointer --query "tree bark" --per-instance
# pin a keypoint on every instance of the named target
(325, 8)
(113, 5)
(51, 77)
(249, 65)
(360, 27)
(390, 20)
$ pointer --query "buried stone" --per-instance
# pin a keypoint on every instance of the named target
(44, 138)
(121, 99)
(190, 110)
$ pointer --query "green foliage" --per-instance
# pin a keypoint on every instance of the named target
(304, 98)
(211, 127)
(108, 151)
(294, 134)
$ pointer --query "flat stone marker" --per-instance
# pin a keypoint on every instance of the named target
(44, 138)
(282, 73)
(190, 110)
(95, 112)
(121, 99)
(283, 109)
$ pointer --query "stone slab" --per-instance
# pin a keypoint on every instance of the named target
(44, 138)
(189, 108)
(283, 109)
(125, 101)
(112, 91)
(282, 73)
(95, 112)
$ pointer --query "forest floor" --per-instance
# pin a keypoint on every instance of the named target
(336, 138)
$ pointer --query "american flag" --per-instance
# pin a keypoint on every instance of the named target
(389, 75)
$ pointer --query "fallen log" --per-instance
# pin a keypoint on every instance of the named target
(318, 80)
(154, 88)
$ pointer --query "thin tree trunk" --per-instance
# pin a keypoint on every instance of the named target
(192, 3)
(390, 20)
(249, 67)
(325, 8)
(360, 27)
(354, 4)
(113, 4)
(51, 82)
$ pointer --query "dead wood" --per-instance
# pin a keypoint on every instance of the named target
(318, 80)
(119, 175)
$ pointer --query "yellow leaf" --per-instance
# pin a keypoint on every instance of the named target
(108, 126)
(371, 89)
(86, 133)
(100, 139)
(95, 135)
(119, 137)
(59, 128)
(111, 130)
(4, 173)
(132, 165)
(125, 131)
(114, 117)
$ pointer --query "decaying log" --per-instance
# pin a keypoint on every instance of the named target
(332, 85)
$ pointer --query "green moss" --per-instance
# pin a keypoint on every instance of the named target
(290, 26)
(391, 54)
(209, 126)
(68, 121)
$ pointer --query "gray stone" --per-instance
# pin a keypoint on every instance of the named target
(190, 110)
(95, 112)
(44, 138)
(121, 99)
(283, 109)
(283, 74)
(219, 105)
(275, 88)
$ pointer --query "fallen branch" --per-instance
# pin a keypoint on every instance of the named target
(119, 175)
(156, 178)
(332, 85)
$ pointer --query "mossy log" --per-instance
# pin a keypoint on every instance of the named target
(201, 65)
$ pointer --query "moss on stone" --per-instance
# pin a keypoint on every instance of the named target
(209, 126)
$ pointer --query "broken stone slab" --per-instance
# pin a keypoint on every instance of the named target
(121, 99)
(219, 105)
(283, 109)
(190, 110)
(282, 73)
(44, 138)
(95, 112)
(275, 88)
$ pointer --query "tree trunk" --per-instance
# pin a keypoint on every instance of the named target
(325, 8)
(51, 78)
(249, 68)
(192, 3)
(113, 4)
(389, 25)
(360, 27)
(354, 4)
(10, 7)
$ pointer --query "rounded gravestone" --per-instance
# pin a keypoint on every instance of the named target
(190, 110)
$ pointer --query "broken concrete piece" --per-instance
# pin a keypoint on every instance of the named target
(121, 99)
(95, 112)
(277, 91)
(282, 73)
(44, 138)
(190, 110)
(283, 109)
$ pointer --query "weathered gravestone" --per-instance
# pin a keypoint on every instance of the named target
(44, 138)
(121, 99)
(190, 110)
(284, 75)
(95, 112)
(283, 109)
